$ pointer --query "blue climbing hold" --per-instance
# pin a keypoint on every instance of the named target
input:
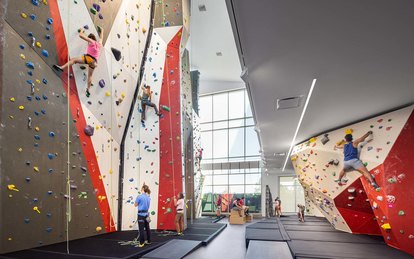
(30, 34)
(154, 74)
(49, 215)
(37, 97)
(30, 73)
(33, 17)
(44, 97)
(30, 65)
(27, 179)
(29, 98)
(36, 113)
(48, 28)
(49, 20)
(36, 144)
(30, 82)
(51, 134)
(50, 192)
(37, 137)
(86, 27)
(50, 156)
(44, 81)
(21, 46)
(102, 83)
(35, 200)
(26, 221)
(47, 36)
(35, 2)
(43, 111)
(50, 170)
(45, 53)
(48, 230)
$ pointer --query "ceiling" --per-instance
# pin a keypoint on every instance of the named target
(360, 52)
(211, 32)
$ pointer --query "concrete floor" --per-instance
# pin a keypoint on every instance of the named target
(228, 244)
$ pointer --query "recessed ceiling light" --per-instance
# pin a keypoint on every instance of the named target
(288, 103)
(219, 54)
(202, 7)
(280, 154)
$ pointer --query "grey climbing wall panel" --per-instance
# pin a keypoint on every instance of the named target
(39, 27)
(105, 14)
(34, 159)
(168, 13)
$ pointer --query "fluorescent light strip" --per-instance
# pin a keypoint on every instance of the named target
(300, 122)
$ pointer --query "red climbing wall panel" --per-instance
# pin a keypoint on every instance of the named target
(393, 204)
(170, 181)
(356, 210)
(86, 141)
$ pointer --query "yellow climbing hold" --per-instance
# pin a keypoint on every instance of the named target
(349, 131)
(36, 169)
(386, 226)
(23, 15)
(20, 149)
(45, 2)
(35, 208)
(312, 140)
(340, 143)
(123, 95)
(22, 56)
(144, 30)
(21, 107)
(12, 187)
(107, 93)
(38, 81)
(98, 229)
(37, 129)
(38, 44)
(12, 99)
(110, 171)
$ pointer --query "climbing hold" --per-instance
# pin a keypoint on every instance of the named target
(98, 229)
(165, 108)
(12, 99)
(45, 53)
(93, 10)
(21, 107)
(26, 221)
(36, 169)
(51, 134)
(49, 229)
(102, 83)
(35, 2)
(30, 65)
(116, 53)
(50, 156)
(401, 213)
(32, 16)
(386, 226)
(38, 44)
(50, 21)
(12, 187)
(89, 130)
(23, 15)
(349, 131)
(35, 208)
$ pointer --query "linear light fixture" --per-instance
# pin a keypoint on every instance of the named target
(300, 122)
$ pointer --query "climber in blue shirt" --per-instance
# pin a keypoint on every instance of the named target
(143, 203)
(352, 161)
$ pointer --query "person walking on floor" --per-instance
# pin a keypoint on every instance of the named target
(352, 161)
(278, 207)
(179, 216)
(301, 213)
(90, 58)
(143, 203)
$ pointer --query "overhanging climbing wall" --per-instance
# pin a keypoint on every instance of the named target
(357, 207)
(43, 111)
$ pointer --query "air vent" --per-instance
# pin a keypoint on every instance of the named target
(202, 7)
(288, 103)
(219, 54)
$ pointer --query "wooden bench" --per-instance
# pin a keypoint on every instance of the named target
(236, 219)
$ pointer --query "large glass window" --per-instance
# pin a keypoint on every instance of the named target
(229, 140)
(291, 193)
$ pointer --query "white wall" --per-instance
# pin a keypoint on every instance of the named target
(271, 178)
(209, 87)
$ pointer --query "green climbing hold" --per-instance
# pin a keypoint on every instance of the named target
(333, 174)
(153, 213)
(93, 10)
(401, 213)
(165, 108)
(365, 164)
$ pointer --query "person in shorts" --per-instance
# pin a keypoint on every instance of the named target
(179, 216)
(352, 161)
(237, 207)
(301, 213)
(90, 58)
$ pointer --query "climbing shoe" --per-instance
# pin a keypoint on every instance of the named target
(147, 243)
(57, 68)
(375, 185)
(141, 245)
(341, 183)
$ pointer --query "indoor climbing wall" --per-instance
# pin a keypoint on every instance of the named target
(357, 207)
(36, 102)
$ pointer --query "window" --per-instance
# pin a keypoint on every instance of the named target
(291, 193)
(228, 136)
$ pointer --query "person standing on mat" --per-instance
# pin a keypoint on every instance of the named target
(301, 213)
(179, 216)
(90, 58)
(352, 161)
(146, 101)
(218, 206)
(278, 207)
(143, 203)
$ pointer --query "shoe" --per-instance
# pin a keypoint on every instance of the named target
(375, 185)
(141, 245)
(341, 183)
(57, 68)
(181, 234)
(147, 243)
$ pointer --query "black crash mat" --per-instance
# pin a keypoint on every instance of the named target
(306, 223)
(336, 250)
(263, 235)
(264, 225)
(274, 220)
(268, 249)
(310, 219)
(309, 228)
(336, 236)
(174, 249)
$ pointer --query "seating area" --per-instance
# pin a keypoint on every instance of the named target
(234, 218)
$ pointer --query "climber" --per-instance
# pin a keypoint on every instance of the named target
(179, 216)
(146, 101)
(143, 203)
(352, 161)
(90, 58)
(301, 213)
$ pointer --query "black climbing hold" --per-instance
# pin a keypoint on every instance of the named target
(117, 54)
(89, 130)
